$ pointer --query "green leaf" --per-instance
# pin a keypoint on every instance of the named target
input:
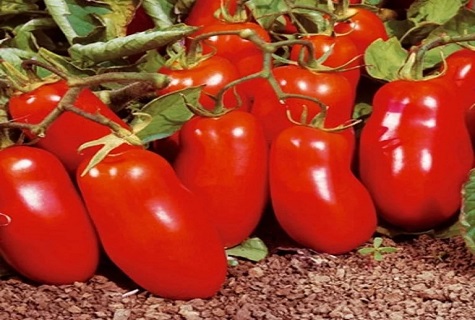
(168, 112)
(252, 249)
(384, 59)
(78, 19)
(25, 38)
(467, 213)
(362, 109)
(120, 14)
(366, 251)
(434, 11)
(387, 250)
(377, 241)
(7, 6)
(129, 45)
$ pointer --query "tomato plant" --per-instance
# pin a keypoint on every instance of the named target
(415, 153)
(223, 160)
(342, 53)
(152, 227)
(213, 73)
(331, 88)
(314, 195)
(45, 231)
(70, 130)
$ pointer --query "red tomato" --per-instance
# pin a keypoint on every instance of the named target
(224, 161)
(233, 47)
(415, 153)
(363, 27)
(140, 22)
(153, 228)
(70, 130)
(45, 232)
(342, 51)
(214, 72)
(331, 88)
(461, 71)
(315, 196)
(206, 12)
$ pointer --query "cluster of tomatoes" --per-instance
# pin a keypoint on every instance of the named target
(166, 223)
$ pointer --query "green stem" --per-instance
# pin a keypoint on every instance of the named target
(420, 52)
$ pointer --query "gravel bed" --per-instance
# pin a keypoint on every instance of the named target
(426, 278)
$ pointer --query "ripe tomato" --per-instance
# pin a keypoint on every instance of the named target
(70, 130)
(415, 153)
(214, 73)
(223, 160)
(233, 47)
(331, 88)
(342, 52)
(315, 196)
(45, 231)
(363, 27)
(460, 70)
(205, 12)
(153, 228)
(140, 22)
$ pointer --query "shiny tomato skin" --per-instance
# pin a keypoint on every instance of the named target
(70, 130)
(315, 196)
(363, 27)
(45, 234)
(152, 227)
(203, 12)
(415, 153)
(460, 69)
(331, 88)
(214, 73)
(223, 160)
(343, 50)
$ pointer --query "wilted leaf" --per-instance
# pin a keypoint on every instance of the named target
(129, 45)
(253, 249)
(7, 6)
(384, 59)
(161, 11)
(25, 34)
(119, 16)
(168, 112)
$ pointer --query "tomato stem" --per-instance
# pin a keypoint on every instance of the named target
(420, 51)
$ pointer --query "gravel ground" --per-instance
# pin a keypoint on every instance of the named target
(426, 278)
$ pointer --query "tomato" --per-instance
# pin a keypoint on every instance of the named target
(214, 73)
(460, 69)
(331, 88)
(206, 12)
(45, 231)
(233, 47)
(343, 52)
(153, 228)
(70, 130)
(415, 153)
(315, 196)
(140, 22)
(223, 160)
(363, 27)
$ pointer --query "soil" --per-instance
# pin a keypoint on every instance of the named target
(427, 278)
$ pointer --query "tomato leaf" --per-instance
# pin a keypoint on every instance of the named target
(435, 11)
(253, 249)
(168, 112)
(161, 11)
(129, 45)
(384, 59)
(467, 214)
